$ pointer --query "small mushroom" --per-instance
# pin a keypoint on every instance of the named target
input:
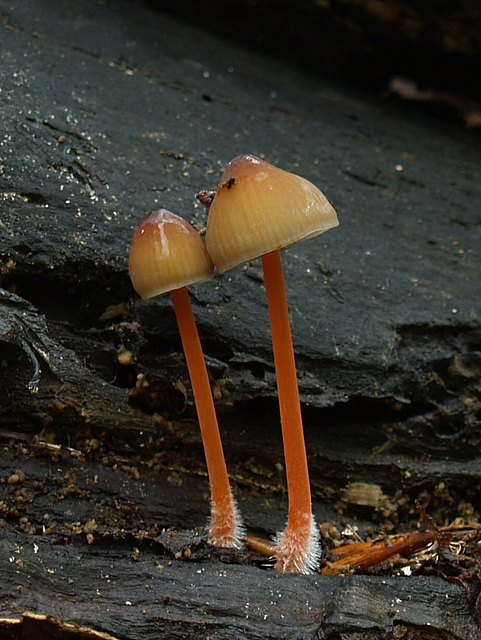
(257, 210)
(166, 255)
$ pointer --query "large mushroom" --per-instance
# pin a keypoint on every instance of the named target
(166, 255)
(257, 210)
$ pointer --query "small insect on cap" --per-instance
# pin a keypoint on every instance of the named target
(167, 253)
(259, 208)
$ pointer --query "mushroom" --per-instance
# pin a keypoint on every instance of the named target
(166, 255)
(257, 210)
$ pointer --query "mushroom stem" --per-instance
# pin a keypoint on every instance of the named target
(297, 545)
(225, 529)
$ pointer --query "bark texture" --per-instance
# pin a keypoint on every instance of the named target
(109, 110)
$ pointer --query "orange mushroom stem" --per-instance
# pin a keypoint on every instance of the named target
(225, 529)
(167, 254)
(297, 546)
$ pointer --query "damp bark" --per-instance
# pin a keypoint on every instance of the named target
(108, 113)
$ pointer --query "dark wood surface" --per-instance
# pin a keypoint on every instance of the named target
(109, 110)
(436, 44)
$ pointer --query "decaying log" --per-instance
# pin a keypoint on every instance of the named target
(151, 596)
(109, 111)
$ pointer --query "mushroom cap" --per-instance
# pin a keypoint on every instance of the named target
(259, 208)
(167, 253)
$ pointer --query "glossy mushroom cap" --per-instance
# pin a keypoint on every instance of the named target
(259, 208)
(167, 253)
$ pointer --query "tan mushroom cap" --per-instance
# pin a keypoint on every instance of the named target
(259, 208)
(167, 253)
